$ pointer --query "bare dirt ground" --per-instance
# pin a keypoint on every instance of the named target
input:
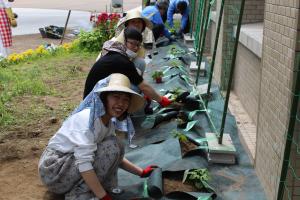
(23, 42)
(22, 146)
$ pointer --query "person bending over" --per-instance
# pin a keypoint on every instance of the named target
(116, 60)
(132, 43)
(154, 14)
(182, 7)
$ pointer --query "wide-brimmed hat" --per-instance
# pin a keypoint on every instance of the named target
(121, 83)
(134, 14)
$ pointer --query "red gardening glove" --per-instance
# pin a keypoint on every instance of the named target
(147, 98)
(148, 170)
(165, 101)
(106, 197)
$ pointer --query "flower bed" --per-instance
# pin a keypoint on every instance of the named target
(104, 29)
(40, 51)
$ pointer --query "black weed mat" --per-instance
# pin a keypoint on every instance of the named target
(156, 145)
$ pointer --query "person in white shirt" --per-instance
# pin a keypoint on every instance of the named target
(82, 158)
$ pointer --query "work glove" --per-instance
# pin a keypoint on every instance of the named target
(148, 170)
(106, 197)
(165, 101)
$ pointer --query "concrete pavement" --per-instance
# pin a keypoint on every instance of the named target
(30, 20)
(82, 5)
(34, 14)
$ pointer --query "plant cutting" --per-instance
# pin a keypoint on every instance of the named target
(185, 144)
(182, 120)
(157, 76)
(181, 137)
(197, 177)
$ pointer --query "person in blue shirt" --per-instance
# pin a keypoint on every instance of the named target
(154, 14)
(182, 7)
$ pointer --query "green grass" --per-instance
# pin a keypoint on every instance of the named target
(32, 80)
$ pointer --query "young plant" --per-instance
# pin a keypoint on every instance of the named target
(176, 51)
(174, 63)
(181, 137)
(198, 177)
(157, 76)
(176, 92)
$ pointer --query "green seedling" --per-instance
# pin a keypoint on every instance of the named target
(198, 177)
(176, 51)
(157, 76)
(172, 30)
(175, 93)
(181, 137)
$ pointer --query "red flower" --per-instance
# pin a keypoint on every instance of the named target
(114, 17)
(102, 18)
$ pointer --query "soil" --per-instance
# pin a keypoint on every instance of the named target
(21, 146)
(174, 183)
(186, 147)
(23, 42)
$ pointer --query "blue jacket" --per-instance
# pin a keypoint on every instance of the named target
(172, 11)
(152, 13)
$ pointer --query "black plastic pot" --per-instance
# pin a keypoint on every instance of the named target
(191, 103)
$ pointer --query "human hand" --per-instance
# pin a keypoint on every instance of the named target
(148, 170)
(106, 197)
(165, 101)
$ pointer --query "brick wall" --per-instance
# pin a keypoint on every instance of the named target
(246, 80)
(218, 61)
(254, 11)
(279, 49)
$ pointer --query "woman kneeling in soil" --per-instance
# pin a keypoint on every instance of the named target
(82, 158)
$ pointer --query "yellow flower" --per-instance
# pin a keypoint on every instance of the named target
(67, 46)
(28, 53)
(12, 57)
(40, 50)
(20, 57)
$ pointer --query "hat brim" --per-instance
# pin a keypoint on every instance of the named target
(148, 23)
(136, 100)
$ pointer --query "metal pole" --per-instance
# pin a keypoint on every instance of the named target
(198, 25)
(215, 49)
(231, 71)
(199, 60)
(65, 28)
(192, 17)
(290, 133)
(201, 27)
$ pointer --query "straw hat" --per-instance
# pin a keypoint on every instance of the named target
(120, 83)
(134, 14)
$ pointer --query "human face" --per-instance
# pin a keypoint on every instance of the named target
(117, 103)
(136, 23)
(133, 45)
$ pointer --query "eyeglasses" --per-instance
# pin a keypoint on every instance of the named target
(134, 43)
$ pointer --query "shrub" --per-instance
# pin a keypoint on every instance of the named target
(104, 30)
